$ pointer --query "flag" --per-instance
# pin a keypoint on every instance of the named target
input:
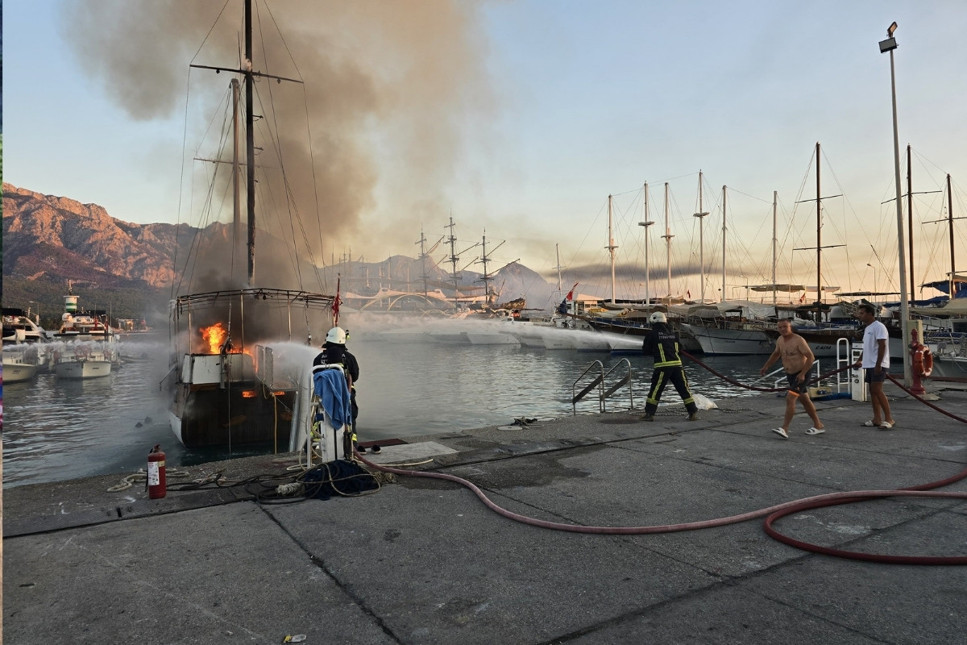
(335, 304)
(689, 294)
(570, 294)
(802, 298)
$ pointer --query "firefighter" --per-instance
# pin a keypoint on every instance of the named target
(662, 343)
(334, 352)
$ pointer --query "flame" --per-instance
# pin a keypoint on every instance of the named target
(215, 337)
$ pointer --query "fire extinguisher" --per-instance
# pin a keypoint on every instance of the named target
(156, 473)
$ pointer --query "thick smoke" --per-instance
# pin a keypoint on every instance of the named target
(390, 91)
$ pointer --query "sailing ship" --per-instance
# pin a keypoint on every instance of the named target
(233, 380)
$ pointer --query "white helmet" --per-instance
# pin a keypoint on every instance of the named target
(337, 336)
(657, 317)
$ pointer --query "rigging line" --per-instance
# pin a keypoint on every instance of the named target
(287, 189)
(181, 185)
(210, 30)
(745, 194)
(285, 44)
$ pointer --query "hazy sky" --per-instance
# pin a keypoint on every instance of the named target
(519, 118)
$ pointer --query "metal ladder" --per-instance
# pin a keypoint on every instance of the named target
(597, 382)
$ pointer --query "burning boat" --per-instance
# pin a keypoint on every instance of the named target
(238, 375)
(228, 391)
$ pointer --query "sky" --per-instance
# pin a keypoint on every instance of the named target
(518, 119)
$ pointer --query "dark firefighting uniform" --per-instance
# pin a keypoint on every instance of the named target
(662, 343)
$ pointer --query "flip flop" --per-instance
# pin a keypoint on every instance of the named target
(782, 433)
(886, 425)
(814, 431)
(869, 424)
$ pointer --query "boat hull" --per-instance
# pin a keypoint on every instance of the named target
(719, 341)
(82, 369)
(18, 372)
(243, 413)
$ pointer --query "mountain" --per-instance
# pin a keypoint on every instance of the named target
(128, 269)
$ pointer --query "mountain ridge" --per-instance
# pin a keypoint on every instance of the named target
(49, 240)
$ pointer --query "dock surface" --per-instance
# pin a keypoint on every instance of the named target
(424, 560)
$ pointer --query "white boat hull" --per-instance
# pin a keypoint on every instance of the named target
(82, 369)
(716, 340)
(950, 366)
(18, 372)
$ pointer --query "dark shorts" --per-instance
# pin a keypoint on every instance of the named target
(871, 377)
(794, 385)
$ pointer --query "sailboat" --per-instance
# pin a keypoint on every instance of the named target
(232, 381)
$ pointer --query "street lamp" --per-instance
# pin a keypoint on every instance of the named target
(889, 45)
(874, 279)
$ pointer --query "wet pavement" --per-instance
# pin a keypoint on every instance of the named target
(423, 560)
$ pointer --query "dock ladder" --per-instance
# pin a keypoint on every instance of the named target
(595, 378)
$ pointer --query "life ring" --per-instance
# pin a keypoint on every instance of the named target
(922, 361)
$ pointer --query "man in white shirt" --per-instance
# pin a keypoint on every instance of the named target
(875, 361)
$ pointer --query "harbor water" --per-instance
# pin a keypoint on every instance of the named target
(411, 383)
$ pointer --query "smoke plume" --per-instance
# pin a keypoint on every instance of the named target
(390, 91)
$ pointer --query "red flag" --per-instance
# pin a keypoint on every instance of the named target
(335, 304)
(570, 294)
(689, 294)
(802, 298)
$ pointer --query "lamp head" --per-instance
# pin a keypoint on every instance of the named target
(891, 29)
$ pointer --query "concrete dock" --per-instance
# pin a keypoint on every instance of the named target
(425, 561)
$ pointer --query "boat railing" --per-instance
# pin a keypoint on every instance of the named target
(596, 381)
(844, 358)
(594, 378)
(624, 379)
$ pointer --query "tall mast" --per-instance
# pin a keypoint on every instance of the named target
(950, 226)
(236, 186)
(668, 247)
(646, 224)
(819, 243)
(950, 235)
(724, 230)
(557, 251)
(249, 141)
(819, 240)
(453, 259)
(611, 245)
(775, 241)
(423, 254)
(910, 217)
(487, 277)
(701, 215)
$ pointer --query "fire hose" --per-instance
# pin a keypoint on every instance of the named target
(772, 513)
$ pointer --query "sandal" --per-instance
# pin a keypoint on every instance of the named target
(815, 431)
(869, 424)
(887, 425)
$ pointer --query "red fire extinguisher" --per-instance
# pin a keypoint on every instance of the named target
(156, 473)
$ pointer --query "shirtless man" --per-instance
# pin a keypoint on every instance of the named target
(797, 358)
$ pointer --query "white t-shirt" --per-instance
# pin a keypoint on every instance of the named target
(874, 332)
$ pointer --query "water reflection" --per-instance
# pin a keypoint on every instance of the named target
(410, 384)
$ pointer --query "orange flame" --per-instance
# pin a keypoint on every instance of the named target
(215, 337)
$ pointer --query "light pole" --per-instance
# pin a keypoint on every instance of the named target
(889, 45)
(874, 279)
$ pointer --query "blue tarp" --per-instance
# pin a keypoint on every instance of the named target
(333, 392)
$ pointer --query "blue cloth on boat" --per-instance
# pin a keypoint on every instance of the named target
(333, 392)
